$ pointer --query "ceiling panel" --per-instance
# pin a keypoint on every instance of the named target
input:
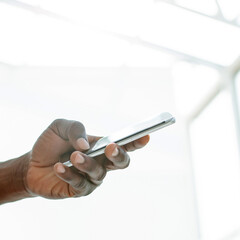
(110, 33)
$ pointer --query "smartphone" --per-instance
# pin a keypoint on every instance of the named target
(130, 134)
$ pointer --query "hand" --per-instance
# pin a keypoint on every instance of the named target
(63, 140)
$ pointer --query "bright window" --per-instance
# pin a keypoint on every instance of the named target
(216, 168)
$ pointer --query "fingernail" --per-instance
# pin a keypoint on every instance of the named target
(79, 159)
(115, 152)
(83, 144)
(60, 169)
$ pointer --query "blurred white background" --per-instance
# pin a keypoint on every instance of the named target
(109, 64)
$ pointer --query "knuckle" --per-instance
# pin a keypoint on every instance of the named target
(127, 147)
(125, 163)
(77, 125)
(101, 174)
(123, 157)
(130, 147)
(76, 129)
(56, 122)
(57, 126)
(97, 172)
(90, 166)
(81, 184)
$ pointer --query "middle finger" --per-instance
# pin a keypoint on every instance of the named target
(117, 156)
(88, 165)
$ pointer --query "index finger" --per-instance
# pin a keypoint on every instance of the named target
(139, 143)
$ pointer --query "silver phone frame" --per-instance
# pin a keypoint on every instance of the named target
(163, 120)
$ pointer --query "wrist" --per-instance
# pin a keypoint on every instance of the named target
(12, 179)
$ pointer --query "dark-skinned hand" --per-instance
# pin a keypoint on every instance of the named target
(47, 176)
